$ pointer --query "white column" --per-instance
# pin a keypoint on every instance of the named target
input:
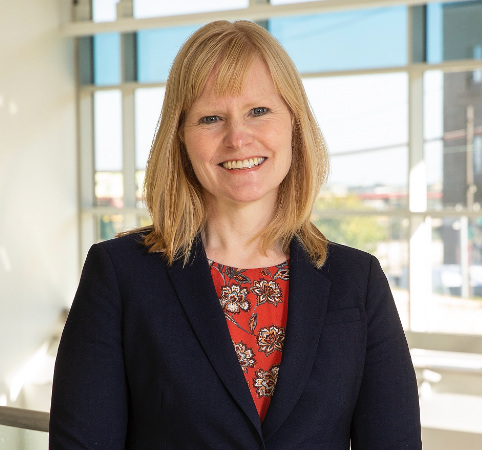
(125, 10)
(417, 183)
(86, 173)
(420, 270)
(129, 158)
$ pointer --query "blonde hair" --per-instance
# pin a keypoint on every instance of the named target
(174, 196)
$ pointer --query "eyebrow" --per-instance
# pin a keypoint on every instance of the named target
(253, 103)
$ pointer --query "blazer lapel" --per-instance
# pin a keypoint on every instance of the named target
(195, 289)
(307, 301)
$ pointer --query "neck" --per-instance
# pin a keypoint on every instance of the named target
(230, 235)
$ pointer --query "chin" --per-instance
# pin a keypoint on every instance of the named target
(244, 195)
(253, 197)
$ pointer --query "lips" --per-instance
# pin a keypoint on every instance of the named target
(243, 164)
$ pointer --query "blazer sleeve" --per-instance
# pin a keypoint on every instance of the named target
(89, 395)
(387, 414)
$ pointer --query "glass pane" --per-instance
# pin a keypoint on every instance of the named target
(392, 253)
(454, 31)
(140, 174)
(144, 221)
(148, 104)
(20, 439)
(384, 237)
(155, 8)
(109, 226)
(434, 32)
(362, 232)
(345, 40)
(108, 130)
(107, 59)
(156, 50)
(104, 10)
(365, 123)
(456, 256)
(453, 139)
(109, 189)
(377, 178)
(433, 154)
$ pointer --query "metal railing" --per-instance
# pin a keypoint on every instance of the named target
(24, 418)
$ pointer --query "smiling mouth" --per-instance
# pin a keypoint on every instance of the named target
(243, 164)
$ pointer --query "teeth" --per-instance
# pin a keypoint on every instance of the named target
(244, 164)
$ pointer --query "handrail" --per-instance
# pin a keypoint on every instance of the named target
(459, 343)
(24, 418)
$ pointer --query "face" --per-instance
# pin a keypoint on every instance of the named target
(240, 146)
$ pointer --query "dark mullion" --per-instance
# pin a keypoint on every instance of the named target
(129, 42)
(419, 34)
(86, 60)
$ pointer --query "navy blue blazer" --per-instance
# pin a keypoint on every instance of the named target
(146, 360)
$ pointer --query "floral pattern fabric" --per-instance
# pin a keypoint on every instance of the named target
(255, 304)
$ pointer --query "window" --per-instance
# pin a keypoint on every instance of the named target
(154, 8)
(345, 40)
(156, 49)
(404, 186)
(364, 119)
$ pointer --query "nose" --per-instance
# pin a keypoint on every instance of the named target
(238, 135)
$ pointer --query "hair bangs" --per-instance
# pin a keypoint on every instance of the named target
(230, 60)
(233, 66)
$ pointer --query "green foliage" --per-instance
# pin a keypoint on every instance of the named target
(362, 232)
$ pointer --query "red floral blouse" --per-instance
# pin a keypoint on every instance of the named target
(255, 304)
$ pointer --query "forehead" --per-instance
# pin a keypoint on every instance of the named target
(256, 81)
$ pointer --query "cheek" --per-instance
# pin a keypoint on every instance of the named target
(196, 149)
(200, 156)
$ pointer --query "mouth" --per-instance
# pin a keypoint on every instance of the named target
(243, 164)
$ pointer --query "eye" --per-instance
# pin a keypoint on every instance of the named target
(209, 119)
(260, 111)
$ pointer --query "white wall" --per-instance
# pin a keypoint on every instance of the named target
(38, 178)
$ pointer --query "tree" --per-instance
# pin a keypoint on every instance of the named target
(362, 232)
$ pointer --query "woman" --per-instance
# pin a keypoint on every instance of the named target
(232, 323)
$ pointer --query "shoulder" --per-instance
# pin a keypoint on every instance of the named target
(128, 252)
(342, 257)
(340, 252)
(130, 243)
(350, 268)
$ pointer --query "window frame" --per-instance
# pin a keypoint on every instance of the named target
(417, 211)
